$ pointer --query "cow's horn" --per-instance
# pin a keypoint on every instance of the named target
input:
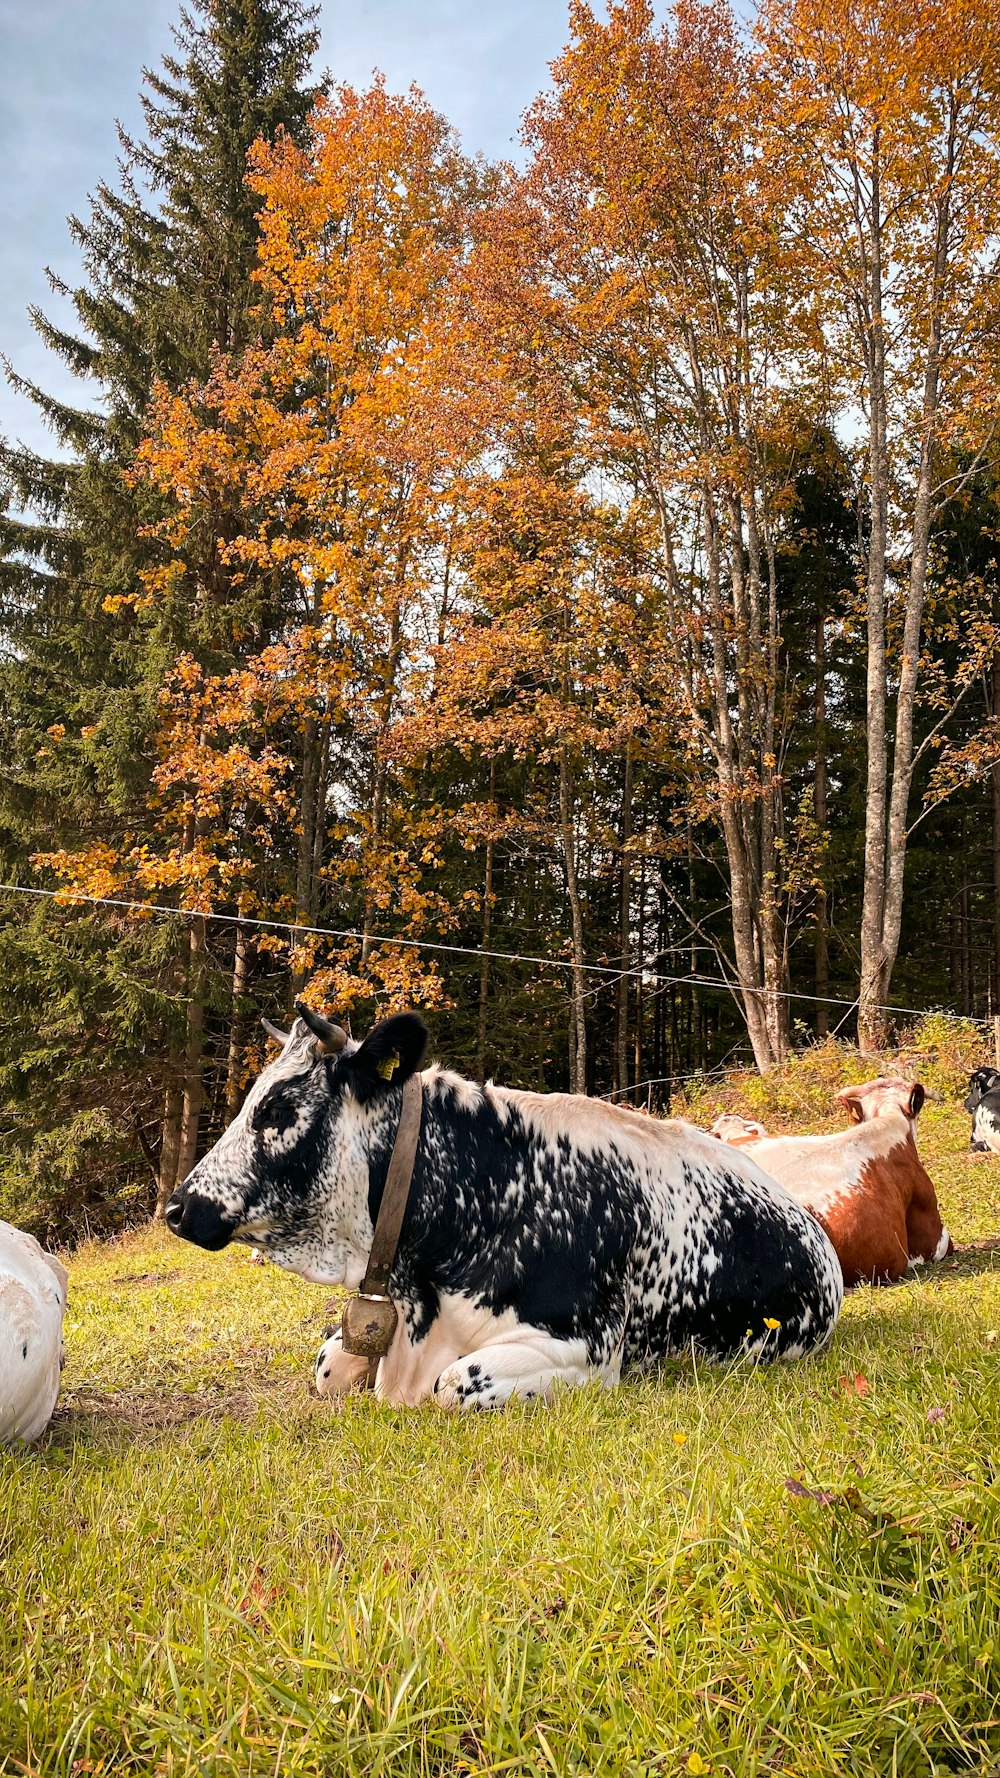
(272, 1031)
(330, 1038)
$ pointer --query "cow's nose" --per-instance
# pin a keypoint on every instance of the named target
(199, 1219)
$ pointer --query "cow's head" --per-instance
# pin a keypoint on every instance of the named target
(291, 1173)
(737, 1131)
(985, 1080)
(880, 1098)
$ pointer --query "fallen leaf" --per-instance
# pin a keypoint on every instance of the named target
(258, 1599)
(856, 1385)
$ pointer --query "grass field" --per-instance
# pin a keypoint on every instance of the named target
(205, 1570)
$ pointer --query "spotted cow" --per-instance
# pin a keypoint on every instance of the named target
(547, 1238)
(983, 1105)
(867, 1185)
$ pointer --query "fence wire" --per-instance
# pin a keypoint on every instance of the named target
(644, 972)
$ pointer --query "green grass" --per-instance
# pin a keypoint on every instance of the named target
(205, 1570)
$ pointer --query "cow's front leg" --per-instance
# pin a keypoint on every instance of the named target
(530, 1366)
(337, 1371)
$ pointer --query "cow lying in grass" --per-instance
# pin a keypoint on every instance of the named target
(867, 1185)
(547, 1238)
(983, 1103)
(32, 1305)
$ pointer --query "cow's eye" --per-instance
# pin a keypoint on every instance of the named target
(273, 1113)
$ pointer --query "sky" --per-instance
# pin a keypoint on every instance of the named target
(68, 68)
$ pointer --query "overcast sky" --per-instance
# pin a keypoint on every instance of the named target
(68, 68)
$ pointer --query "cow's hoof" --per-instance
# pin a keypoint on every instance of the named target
(464, 1385)
(339, 1372)
(447, 1388)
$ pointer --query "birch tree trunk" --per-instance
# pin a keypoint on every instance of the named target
(871, 1026)
(885, 838)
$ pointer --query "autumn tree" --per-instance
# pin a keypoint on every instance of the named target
(883, 120)
(643, 251)
(330, 446)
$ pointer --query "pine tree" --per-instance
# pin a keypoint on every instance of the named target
(167, 255)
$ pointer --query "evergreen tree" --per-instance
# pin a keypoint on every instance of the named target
(167, 254)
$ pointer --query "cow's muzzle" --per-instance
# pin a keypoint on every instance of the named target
(197, 1219)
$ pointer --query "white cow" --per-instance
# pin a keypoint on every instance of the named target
(32, 1305)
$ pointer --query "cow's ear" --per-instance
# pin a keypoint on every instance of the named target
(916, 1099)
(850, 1099)
(390, 1053)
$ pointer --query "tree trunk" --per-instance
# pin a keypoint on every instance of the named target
(169, 1148)
(578, 1054)
(885, 866)
(194, 1078)
(750, 931)
(822, 954)
(237, 1025)
(484, 962)
(995, 783)
(637, 1034)
(693, 1010)
(871, 1025)
(995, 777)
(308, 787)
(620, 1072)
(965, 928)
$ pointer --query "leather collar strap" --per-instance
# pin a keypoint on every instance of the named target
(392, 1209)
(369, 1320)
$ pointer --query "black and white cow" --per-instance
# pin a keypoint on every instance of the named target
(983, 1103)
(548, 1238)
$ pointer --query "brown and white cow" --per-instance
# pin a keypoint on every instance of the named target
(866, 1185)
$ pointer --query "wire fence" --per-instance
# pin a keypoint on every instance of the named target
(645, 972)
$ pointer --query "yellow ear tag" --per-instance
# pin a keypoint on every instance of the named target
(387, 1067)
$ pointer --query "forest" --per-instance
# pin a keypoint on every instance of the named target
(560, 596)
